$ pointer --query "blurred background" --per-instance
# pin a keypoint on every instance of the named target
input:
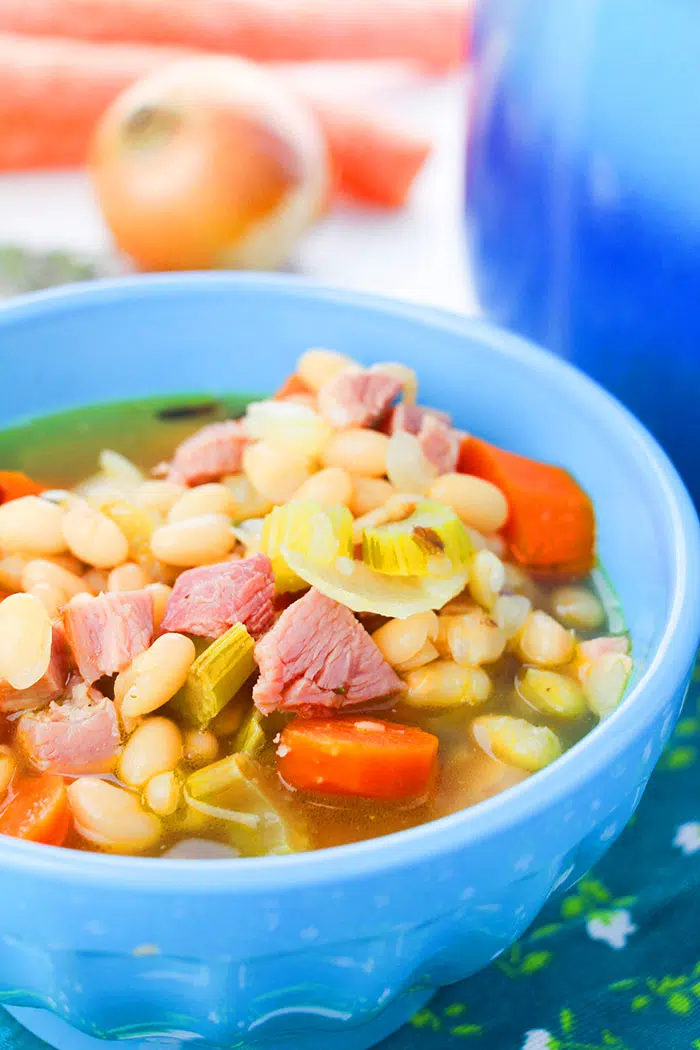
(329, 137)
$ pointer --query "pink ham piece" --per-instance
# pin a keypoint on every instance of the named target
(209, 600)
(357, 398)
(51, 686)
(318, 655)
(440, 444)
(411, 417)
(107, 632)
(438, 439)
(78, 736)
(213, 451)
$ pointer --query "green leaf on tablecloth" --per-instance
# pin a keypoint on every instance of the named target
(678, 1003)
(455, 1010)
(640, 1002)
(571, 907)
(677, 759)
(540, 932)
(535, 961)
(566, 1019)
(624, 985)
(465, 1030)
(687, 727)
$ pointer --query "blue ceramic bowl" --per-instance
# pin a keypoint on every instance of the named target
(340, 947)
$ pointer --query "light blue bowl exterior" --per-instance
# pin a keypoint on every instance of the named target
(339, 947)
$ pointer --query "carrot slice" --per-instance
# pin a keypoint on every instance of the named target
(551, 523)
(37, 810)
(54, 91)
(292, 386)
(433, 35)
(364, 757)
(13, 484)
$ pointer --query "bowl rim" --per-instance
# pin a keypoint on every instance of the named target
(663, 675)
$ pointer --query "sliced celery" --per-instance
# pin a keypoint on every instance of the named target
(251, 738)
(233, 791)
(430, 541)
(309, 527)
(216, 676)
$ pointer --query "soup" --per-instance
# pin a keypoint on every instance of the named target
(264, 626)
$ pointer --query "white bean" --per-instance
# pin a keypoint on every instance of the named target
(112, 818)
(154, 747)
(368, 494)
(205, 499)
(160, 592)
(318, 367)
(330, 486)
(446, 684)
(276, 475)
(155, 675)
(127, 577)
(32, 525)
(94, 538)
(545, 642)
(200, 747)
(578, 607)
(475, 639)
(25, 640)
(196, 541)
(358, 451)
(486, 578)
(163, 793)
(516, 742)
(400, 640)
(477, 502)
(158, 496)
(40, 570)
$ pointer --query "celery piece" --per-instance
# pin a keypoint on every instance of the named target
(430, 541)
(216, 676)
(251, 738)
(233, 791)
(325, 532)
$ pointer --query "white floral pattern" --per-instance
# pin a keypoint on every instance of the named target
(613, 927)
(538, 1039)
(688, 838)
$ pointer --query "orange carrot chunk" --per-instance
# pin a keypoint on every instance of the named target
(432, 35)
(13, 484)
(551, 523)
(364, 757)
(37, 810)
(54, 91)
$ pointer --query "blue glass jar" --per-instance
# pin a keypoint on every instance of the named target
(583, 194)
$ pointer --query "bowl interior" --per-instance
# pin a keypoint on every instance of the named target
(218, 333)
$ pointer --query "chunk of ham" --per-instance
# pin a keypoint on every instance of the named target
(357, 398)
(107, 632)
(438, 439)
(440, 444)
(213, 451)
(51, 686)
(318, 655)
(78, 736)
(208, 600)
(411, 417)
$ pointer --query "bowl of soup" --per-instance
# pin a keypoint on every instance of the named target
(336, 635)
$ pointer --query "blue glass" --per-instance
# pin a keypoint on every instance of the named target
(583, 194)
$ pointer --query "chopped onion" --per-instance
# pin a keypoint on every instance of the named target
(288, 425)
(407, 466)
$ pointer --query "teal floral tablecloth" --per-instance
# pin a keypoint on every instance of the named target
(615, 965)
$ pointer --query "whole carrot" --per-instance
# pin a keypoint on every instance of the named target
(431, 34)
(53, 92)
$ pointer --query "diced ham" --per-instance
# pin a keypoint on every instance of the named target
(78, 736)
(318, 655)
(438, 439)
(51, 686)
(357, 398)
(213, 451)
(440, 444)
(209, 600)
(410, 417)
(107, 632)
